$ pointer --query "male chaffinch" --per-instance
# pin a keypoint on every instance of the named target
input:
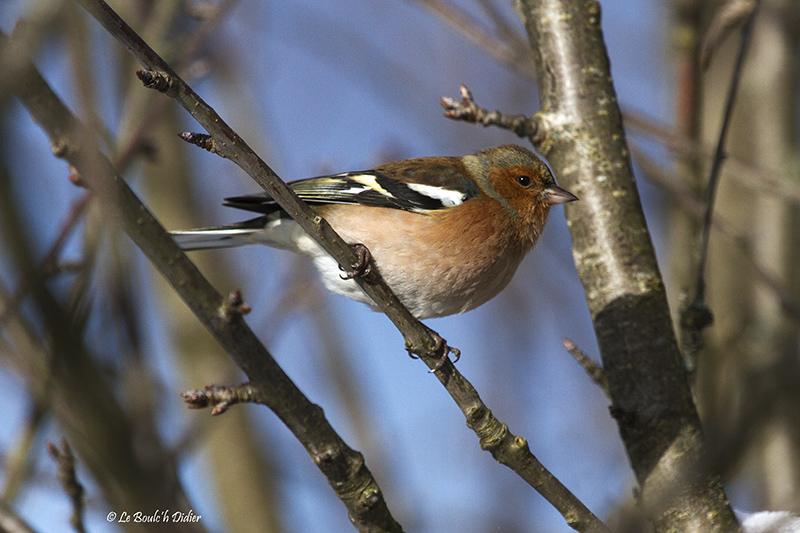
(446, 233)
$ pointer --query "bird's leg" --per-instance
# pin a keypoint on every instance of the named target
(362, 266)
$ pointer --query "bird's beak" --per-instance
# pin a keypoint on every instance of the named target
(556, 195)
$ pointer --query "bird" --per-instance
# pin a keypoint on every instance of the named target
(446, 233)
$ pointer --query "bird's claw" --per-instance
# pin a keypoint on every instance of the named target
(364, 264)
(446, 350)
(440, 346)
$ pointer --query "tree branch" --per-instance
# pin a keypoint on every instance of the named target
(69, 481)
(494, 436)
(10, 522)
(697, 316)
(770, 181)
(591, 367)
(467, 110)
(580, 131)
(419, 339)
(221, 398)
(509, 49)
(344, 467)
(695, 207)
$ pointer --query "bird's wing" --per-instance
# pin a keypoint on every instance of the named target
(419, 191)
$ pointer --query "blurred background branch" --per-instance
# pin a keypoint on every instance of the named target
(343, 466)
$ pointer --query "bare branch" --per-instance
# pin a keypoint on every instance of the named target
(231, 146)
(591, 367)
(49, 265)
(69, 481)
(345, 467)
(221, 398)
(697, 316)
(729, 15)
(467, 110)
(10, 522)
(512, 52)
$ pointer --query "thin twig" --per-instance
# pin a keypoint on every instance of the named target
(69, 481)
(719, 154)
(133, 142)
(220, 397)
(591, 366)
(513, 52)
(697, 316)
(467, 110)
(694, 205)
(727, 17)
(48, 266)
(768, 181)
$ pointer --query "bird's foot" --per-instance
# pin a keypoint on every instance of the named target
(441, 347)
(364, 264)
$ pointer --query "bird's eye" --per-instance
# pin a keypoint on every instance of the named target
(524, 180)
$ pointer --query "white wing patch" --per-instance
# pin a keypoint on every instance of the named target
(446, 196)
(380, 190)
(356, 190)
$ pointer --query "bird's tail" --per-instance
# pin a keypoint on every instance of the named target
(229, 236)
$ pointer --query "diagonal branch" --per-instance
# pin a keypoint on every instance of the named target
(508, 48)
(344, 467)
(494, 436)
(228, 144)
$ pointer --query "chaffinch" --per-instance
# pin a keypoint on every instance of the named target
(446, 233)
